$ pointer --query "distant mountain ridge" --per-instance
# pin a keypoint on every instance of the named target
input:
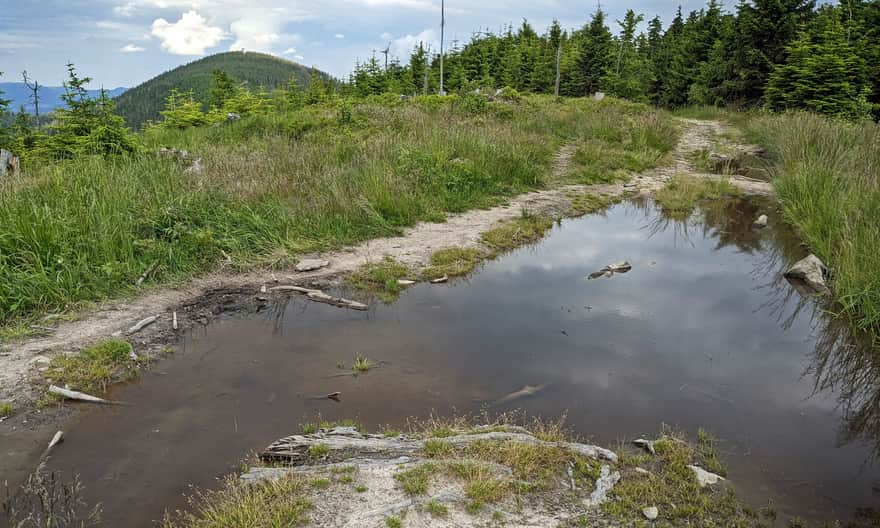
(50, 96)
(144, 102)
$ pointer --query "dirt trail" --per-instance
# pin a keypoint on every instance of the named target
(198, 300)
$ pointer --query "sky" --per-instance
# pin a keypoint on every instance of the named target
(126, 42)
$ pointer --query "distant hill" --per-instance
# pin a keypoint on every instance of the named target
(144, 102)
(50, 96)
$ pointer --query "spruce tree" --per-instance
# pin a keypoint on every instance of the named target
(595, 54)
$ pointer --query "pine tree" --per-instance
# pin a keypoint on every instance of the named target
(222, 88)
(5, 136)
(629, 76)
(822, 73)
(595, 53)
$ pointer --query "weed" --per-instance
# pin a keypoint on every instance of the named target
(482, 491)
(346, 479)
(309, 428)
(415, 481)
(360, 488)
(343, 470)
(391, 433)
(536, 463)
(768, 511)
(452, 262)
(393, 521)
(6, 409)
(93, 368)
(680, 195)
(436, 509)
(497, 516)
(706, 445)
(589, 203)
(319, 450)
(361, 364)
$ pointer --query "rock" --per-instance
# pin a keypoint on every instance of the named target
(651, 513)
(808, 275)
(761, 221)
(405, 282)
(647, 445)
(611, 269)
(311, 264)
(195, 167)
(705, 478)
(9, 163)
(232, 116)
(598, 96)
(604, 484)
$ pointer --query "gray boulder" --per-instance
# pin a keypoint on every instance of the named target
(809, 276)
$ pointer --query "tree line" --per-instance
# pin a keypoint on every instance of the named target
(778, 54)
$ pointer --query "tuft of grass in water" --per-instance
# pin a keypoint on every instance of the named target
(380, 278)
(237, 505)
(436, 509)
(94, 368)
(826, 174)
(588, 203)
(681, 194)
(706, 445)
(6, 409)
(512, 234)
(318, 450)
(393, 521)
(415, 481)
(452, 262)
(361, 364)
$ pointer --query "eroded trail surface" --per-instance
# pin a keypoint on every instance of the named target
(198, 300)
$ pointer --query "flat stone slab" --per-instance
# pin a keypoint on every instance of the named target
(311, 265)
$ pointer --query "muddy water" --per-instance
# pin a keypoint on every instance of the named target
(703, 332)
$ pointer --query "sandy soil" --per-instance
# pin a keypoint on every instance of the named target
(197, 301)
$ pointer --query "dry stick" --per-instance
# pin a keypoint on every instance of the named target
(147, 272)
(174, 320)
(140, 325)
(80, 396)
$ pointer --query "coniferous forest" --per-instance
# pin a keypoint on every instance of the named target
(778, 54)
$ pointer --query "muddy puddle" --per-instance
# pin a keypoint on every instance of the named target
(703, 332)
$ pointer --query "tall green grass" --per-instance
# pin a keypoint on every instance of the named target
(827, 177)
(279, 184)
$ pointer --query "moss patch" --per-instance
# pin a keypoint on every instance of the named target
(510, 235)
(452, 262)
(380, 278)
(680, 196)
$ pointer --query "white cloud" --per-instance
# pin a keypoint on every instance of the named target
(299, 57)
(125, 10)
(403, 46)
(191, 35)
(339, 36)
(131, 48)
(289, 51)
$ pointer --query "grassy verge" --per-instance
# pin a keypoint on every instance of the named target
(93, 369)
(827, 177)
(274, 186)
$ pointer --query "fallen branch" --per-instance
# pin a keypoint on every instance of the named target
(336, 301)
(140, 325)
(298, 289)
(174, 320)
(80, 396)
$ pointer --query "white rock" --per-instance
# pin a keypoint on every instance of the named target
(604, 484)
(761, 221)
(705, 478)
(405, 282)
(647, 445)
(651, 513)
(810, 273)
(311, 265)
(643, 471)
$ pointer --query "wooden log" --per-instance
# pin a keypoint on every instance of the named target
(322, 297)
(143, 323)
(297, 289)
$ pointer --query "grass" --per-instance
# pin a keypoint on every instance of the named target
(361, 364)
(436, 509)
(85, 230)
(94, 368)
(360, 488)
(6, 409)
(314, 427)
(681, 194)
(826, 175)
(237, 505)
(438, 448)
(393, 521)
(588, 203)
(318, 450)
(452, 262)
(512, 234)
(415, 481)
(320, 483)
(380, 278)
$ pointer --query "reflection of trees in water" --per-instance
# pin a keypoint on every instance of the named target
(842, 362)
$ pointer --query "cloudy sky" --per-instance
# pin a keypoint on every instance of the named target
(125, 42)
